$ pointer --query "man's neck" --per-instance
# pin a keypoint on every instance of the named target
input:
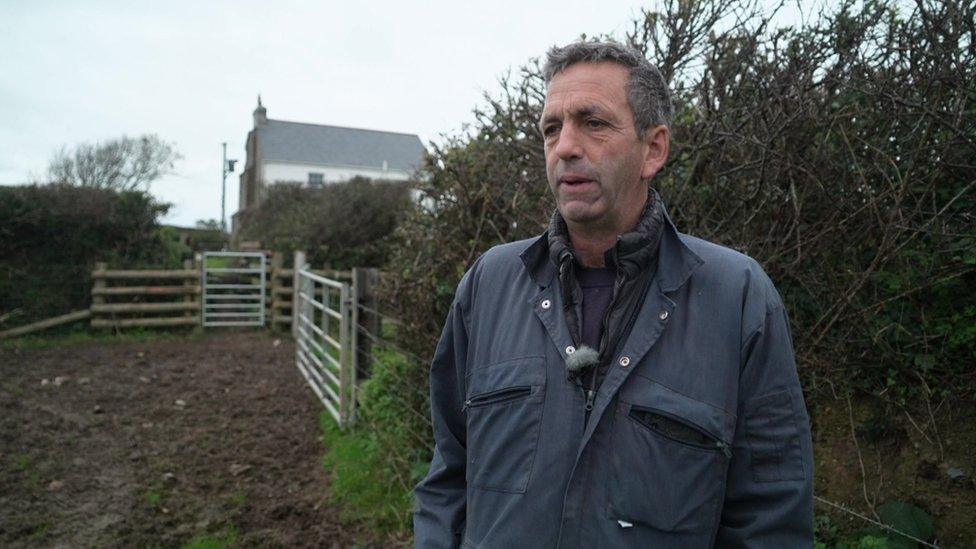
(590, 243)
(590, 248)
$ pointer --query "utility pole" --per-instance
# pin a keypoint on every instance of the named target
(227, 166)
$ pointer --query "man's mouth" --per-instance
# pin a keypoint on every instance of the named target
(574, 180)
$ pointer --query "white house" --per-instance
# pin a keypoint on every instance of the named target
(315, 154)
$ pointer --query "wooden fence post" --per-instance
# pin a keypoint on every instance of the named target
(296, 288)
(277, 263)
(188, 298)
(365, 282)
(98, 283)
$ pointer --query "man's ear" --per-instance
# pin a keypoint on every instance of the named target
(657, 146)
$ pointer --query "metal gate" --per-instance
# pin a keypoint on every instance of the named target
(325, 337)
(233, 289)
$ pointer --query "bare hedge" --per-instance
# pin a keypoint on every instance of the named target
(839, 153)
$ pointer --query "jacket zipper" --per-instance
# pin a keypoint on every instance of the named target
(605, 337)
(590, 394)
(590, 397)
(716, 444)
(496, 397)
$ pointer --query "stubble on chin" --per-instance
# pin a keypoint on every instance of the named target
(582, 213)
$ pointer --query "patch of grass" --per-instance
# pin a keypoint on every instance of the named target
(13, 389)
(153, 497)
(362, 484)
(40, 531)
(376, 463)
(84, 336)
(238, 499)
(227, 538)
(21, 461)
(23, 464)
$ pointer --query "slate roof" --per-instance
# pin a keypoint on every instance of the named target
(334, 145)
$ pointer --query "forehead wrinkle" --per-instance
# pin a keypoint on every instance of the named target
(588, 88)
(576, 108)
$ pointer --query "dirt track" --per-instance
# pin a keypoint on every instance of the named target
(162, 443)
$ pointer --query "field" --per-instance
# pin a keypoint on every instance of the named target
(209, 441)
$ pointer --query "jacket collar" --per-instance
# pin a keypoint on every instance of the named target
(675, 264)
(634, 251)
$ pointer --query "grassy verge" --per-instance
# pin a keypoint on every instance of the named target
(82, 335)
(375, 464)
(362, 485)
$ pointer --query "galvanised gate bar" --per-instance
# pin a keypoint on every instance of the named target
(325, 341)
(234, 285)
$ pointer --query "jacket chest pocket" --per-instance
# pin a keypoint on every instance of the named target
(669, 458)
(503, 405)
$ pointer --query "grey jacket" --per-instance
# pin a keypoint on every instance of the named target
(699, 435)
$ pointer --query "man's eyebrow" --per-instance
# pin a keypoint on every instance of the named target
(581, 112)
(545, 119)
(585, 111)
(591, 110)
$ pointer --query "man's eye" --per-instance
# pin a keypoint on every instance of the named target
(549, 131)
(594, 123)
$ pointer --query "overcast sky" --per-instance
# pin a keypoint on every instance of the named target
(73, 72)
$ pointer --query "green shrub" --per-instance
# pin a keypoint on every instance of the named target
(396, 414)
(344, 224)
(52, 235)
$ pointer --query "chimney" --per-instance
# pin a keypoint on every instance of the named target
(260, 114)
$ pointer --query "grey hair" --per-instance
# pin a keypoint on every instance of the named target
(647, 92)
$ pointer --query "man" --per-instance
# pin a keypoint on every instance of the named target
(614, 383)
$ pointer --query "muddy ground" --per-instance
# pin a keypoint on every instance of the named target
(213, 440)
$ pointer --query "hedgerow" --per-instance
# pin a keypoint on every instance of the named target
(838, 153)
(343, 224)
(52, 235)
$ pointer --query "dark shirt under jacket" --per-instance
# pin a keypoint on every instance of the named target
(597, 287)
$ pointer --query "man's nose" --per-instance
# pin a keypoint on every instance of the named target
(570, 144)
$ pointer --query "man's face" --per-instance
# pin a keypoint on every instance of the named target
(594, 159)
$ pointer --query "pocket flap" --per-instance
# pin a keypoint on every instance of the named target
(516, 372)
(642, 392)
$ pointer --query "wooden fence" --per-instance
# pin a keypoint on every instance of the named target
(145, 298)
(159, 298)
(280, 292)
(172, 297)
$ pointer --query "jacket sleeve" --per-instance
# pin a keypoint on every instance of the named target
(769, 489)
(438, 520)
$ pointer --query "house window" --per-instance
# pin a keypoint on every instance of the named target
(315, 179)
